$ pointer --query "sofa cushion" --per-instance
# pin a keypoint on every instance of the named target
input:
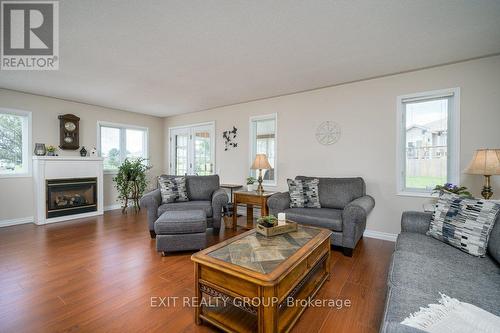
(464, 223)
(435, 249)
(338, 192)
(181, 222)
(202, 187)
(433, 276)
(494, 241)
(316, 217)
(206, 206)
(401, 302)
(172, 189)
(303, 193)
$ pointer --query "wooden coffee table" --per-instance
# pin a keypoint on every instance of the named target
(253, 283)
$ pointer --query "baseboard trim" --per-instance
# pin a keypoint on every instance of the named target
(22, 220)
(112, 207)
(380, 235)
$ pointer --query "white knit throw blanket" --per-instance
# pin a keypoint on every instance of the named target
(451, 315)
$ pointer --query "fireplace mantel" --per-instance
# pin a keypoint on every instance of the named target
(64, 167)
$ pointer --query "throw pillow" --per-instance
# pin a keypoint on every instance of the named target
(173, 189)
(304, 193)
(464, 223)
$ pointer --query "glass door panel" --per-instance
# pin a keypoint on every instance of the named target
(203, 162)
(192, 150)
(179, 147)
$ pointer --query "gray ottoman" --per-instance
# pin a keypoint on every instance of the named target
(181, 231)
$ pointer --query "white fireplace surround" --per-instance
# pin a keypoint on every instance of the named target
(63, 167)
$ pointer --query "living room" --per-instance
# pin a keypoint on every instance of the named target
(220, 166)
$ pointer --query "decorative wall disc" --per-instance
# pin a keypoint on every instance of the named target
(328, 133)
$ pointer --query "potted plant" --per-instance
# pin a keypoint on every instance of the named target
(461, 191)
(268, 221)
(51, 150)
(250, 181)
(131, 182)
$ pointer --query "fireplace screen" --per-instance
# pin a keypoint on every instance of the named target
(71, 196)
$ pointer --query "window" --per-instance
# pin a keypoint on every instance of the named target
(15, 142)
(263, 131)
(118, 142)
(192, 149)
(428, 140)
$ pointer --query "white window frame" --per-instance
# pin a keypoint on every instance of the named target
(453, 163)
(252, 146)
(27, 143)
(123, 140)
(190, 128)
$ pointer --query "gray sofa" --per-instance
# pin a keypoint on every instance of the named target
(204, 193)
(422, 267)
(344, 209)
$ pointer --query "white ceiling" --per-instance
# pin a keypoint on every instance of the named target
(170, 57)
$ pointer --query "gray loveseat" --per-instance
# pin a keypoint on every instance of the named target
(422, 267)
(344, 209)
(204, 193)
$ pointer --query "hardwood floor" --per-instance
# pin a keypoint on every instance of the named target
(99, 274)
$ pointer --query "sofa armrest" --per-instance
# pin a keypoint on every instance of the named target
(219, 200)
(278, 202)
(417, 222)
(151, 201)
(354, 220)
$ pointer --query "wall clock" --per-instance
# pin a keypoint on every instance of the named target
(69, 131)
(328, 133)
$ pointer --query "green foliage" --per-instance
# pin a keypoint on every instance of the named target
(131, 182)
(11, 138)
(51, 149)
(113, 159)
(251, 180)
(450, 188)
(268, 221)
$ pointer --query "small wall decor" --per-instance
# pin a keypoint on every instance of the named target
(93, 152)
(83, 152)
(229, 138)
(328, 133)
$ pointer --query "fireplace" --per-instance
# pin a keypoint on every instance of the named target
(71, 196)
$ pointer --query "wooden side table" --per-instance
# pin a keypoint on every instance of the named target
(250, 198)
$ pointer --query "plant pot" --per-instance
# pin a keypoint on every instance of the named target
(51, 153)
(249, 187)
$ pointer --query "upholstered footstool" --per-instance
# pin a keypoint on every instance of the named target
(181, 231)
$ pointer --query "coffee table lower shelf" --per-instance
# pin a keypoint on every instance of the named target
(231, 318)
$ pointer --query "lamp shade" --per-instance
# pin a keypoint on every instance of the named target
(485, 162)
(261, 162)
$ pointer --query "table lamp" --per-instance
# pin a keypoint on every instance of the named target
(485, 162)
(260, 163)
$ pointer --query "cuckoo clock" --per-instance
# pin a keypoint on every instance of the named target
(69, 131)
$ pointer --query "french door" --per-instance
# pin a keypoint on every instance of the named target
(192, 150)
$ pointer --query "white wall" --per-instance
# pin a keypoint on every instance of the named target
(16, 198)
(366, 110)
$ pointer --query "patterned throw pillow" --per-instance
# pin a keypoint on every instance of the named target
(464, 223)
(303, 193)
(173, 189)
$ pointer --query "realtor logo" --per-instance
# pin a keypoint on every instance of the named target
(30, 35)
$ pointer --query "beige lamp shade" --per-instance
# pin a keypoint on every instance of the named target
(485, 162)
(261, 162)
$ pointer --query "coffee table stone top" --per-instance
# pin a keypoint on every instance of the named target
(263, 254)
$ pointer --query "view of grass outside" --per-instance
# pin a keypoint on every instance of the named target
(423, 182)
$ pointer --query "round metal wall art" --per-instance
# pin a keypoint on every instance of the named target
(328, 133)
